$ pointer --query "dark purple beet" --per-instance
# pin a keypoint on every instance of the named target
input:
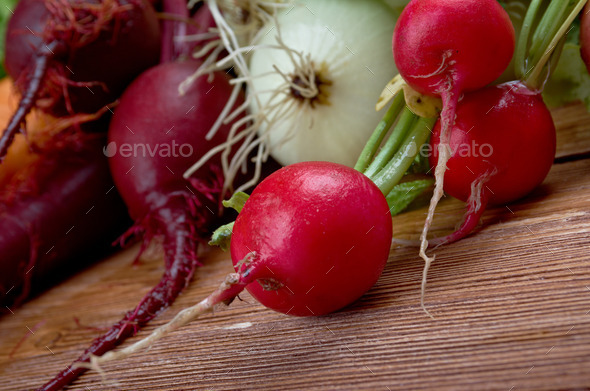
(152, 116)
(65, 66)
(53, 221)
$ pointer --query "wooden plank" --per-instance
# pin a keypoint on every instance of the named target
(573, 125)
(511, 306)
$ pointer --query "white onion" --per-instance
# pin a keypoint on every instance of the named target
(349, 43)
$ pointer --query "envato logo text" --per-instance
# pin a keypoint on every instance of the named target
(462, 150)
(144, 150)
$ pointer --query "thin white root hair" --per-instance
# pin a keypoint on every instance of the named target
(442, 67)
(225, 112)
(396, 242)
(231, 282)
(439, 172)
(444, 154)
(253, 135)
(199, 37)
(236, 56)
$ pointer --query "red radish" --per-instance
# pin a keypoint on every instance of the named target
(321, 233)
(72, 56)
(154, 136)
(311, 239)
(61, 206)
(503, 144)
(443, 48)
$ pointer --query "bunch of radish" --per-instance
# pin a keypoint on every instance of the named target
(446, 48)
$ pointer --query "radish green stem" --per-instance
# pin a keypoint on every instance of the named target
(540, 42)
(523, 39)
(379, 133)
(404, 193)
(399, 164)
(392, 144)
(535, 79)
(387, 167)
(547, 28)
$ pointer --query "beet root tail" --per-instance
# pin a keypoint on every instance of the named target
(180, 246)
(44, 56)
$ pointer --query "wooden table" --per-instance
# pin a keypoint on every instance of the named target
(511, 308)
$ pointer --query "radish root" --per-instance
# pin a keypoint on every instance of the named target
(233, 284)
(447, 119)
(477, 203)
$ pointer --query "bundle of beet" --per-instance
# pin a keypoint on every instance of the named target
(72, 57)
(54, 213)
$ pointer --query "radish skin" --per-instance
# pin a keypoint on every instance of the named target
(514, 138)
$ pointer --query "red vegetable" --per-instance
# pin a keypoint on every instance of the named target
(70, 56)
(154, 136)
(53, 214)
(321, 233)
(504, 145)
(443, 48)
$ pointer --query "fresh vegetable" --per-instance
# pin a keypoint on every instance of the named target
(48, 216)
(314, 71)
(70, 57)
(503, 176)
(317, 77)
(312, 225)
(503, 145)
(154, 136)
(311, 239)
(41, 129)
(183, 34)
(503, 137)
(307, 221)
(443, 48)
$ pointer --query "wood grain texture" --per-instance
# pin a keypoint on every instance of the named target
(511, 306)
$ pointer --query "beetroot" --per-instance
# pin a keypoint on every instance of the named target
(62, 206)
(585, 36)
(74, 56)
(154, 136)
